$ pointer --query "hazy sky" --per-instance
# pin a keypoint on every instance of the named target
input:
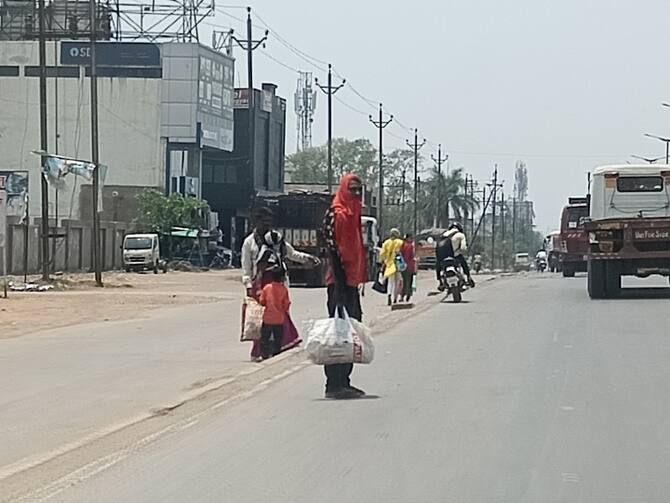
(563, 86)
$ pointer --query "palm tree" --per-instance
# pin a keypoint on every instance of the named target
(454, 202)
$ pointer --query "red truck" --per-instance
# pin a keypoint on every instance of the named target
(574, 240)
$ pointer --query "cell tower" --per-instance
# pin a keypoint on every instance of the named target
(305, 105)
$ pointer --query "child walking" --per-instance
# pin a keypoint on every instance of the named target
(274, 297)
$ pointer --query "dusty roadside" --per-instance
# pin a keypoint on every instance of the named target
(75, 299)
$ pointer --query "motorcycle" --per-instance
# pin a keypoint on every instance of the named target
(452, 280)
(541, 264)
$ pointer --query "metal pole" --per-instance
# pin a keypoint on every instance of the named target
(493, 229)
(514, 224)
(95, 154)
(330, 130)
(330, 90)
(667, 145)
(381, 124)
(250, 90)
(44, 142)
(402, 199)
(25, 242)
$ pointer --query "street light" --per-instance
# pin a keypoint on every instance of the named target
(664, 140)
(650, 160)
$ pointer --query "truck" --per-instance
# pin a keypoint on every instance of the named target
(628, 227)
(552, 245)
(574, 242)
(299, 215)
(141, 252)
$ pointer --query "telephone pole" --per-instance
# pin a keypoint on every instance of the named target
(381, 124)
(495, 186)
(415, 147)
(437, 219)
(44, 142)
(95, 154)
(250, 45)
(330, 90)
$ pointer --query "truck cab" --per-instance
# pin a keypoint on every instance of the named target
(574, 242)
(629, 226)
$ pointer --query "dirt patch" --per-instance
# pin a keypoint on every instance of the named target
(75, 299)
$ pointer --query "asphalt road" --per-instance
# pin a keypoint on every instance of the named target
(528, 392)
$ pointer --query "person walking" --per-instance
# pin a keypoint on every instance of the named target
(274, 298)
(390, 257)
(346, 273)
(408, 275)
(263, 249)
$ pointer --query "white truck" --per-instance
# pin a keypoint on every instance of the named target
(628, 227)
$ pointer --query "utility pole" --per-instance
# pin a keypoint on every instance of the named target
(514, 223)
(330, 90)
(503, 228)
(493, 228)
(415, 147)
(44, 142)
(437, 219)
(402, 198)
(664, 140)
(95, 154)
(250, 45)
(380, 124)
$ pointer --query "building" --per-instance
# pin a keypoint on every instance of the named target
(163, 108)
(231, 180)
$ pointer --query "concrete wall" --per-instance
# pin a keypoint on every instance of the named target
(129, 126)
(71, 252)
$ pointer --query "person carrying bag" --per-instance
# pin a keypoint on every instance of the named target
(347, 271)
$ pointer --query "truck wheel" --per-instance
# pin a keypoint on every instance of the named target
(155, 267)
(128, 269)
(596, 270)
(568, 271)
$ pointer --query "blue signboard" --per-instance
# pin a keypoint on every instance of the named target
(111, 54)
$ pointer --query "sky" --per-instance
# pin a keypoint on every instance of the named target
(563, 86)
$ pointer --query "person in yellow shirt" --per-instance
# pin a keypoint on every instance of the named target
(393, 264)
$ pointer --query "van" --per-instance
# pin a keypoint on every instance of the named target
(142, 252)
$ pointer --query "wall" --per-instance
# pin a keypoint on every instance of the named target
(129, 125)
(72, 250)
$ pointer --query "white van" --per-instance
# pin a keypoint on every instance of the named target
(142, 252)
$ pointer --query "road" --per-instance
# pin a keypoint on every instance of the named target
(528, 392)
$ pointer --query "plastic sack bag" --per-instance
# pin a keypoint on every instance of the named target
(414, 283)
(338, 340)
(252, 320)
(380, 284)
(400, 262)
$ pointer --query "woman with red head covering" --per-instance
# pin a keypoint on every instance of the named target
(348, 270)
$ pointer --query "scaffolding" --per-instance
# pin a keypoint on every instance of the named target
(158, 21)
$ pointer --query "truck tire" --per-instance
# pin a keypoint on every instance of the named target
(596, 270)
(568, 271)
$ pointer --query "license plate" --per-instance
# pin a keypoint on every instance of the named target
(452, 280)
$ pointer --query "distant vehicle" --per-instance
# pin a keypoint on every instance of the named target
(574, 242)
(141, 252)
(522, 262)
(299, 216)
(552, 245)
(629, 226)
(426, 244)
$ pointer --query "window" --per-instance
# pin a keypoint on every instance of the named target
(640, 184)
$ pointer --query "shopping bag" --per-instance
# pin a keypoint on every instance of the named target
(380, 284)
(252, 320)
(400, 262)
(338, 340)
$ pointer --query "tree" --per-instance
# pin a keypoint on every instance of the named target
(454, 202)
(159, 213)
(311, 165)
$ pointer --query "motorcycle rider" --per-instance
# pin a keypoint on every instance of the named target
(540, 257)
(453, 244)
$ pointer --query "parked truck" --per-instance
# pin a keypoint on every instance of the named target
(574, 242)
(299, 215)
(629, 226)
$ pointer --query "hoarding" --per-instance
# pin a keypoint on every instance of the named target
(15, 184)
(215, 100)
